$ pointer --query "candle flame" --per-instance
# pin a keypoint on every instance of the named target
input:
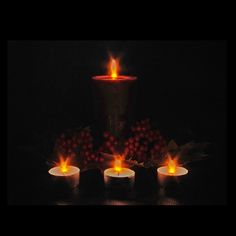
(118, 164)
(171, 166)
(64, 164)
(113, 68)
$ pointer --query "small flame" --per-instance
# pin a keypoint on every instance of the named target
(172, 166)
(64, 164)
(113, 68)
(118, 167)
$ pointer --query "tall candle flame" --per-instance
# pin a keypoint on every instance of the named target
(113, 68)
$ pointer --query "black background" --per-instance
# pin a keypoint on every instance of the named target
(182, 87)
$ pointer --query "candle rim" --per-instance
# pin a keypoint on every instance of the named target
(131, 173)
(118, 78)
(164, 171)
(72, 171)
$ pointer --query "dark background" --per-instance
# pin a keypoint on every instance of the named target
(182, 87)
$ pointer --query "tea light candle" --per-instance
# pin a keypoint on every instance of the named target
(118, 177)
(164, 170)
(170, 176)
(66, 172)
(172, 170)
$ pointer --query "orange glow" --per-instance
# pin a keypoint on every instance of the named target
(113, 72)
(172, 164)
(64, 164)
(113, 68)
(117, 166)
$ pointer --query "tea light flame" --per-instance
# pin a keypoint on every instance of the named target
(118, 167)
(64, 164)
(171, 166)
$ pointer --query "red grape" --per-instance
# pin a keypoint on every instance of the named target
(106, 134)
(136, 138)
(111, 138)
(108, 144)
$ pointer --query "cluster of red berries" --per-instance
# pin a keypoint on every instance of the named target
(110, 143)
(78, 144)
(144, 142)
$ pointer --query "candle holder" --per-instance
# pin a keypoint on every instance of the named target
(64, 178)
(60, 190)
(70, 178)
(171, 184)
(119, 182)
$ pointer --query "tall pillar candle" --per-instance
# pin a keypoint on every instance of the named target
(114, 100)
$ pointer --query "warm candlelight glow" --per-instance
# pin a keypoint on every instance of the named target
(63, 170)
(64, 164)
(119, 178)
(113, 68)
(113, 73)
(118, 167)
(171, 166)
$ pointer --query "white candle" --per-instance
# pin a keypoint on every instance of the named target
(65, 172)
(170, 174)
(123, 173)
(178, 172)
(119, 178)
(72, 176)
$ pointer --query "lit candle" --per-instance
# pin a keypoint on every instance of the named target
(118, 177)
(170, 175)
(114, 99)
(65, 172)
(113, 74)
(172, 169)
